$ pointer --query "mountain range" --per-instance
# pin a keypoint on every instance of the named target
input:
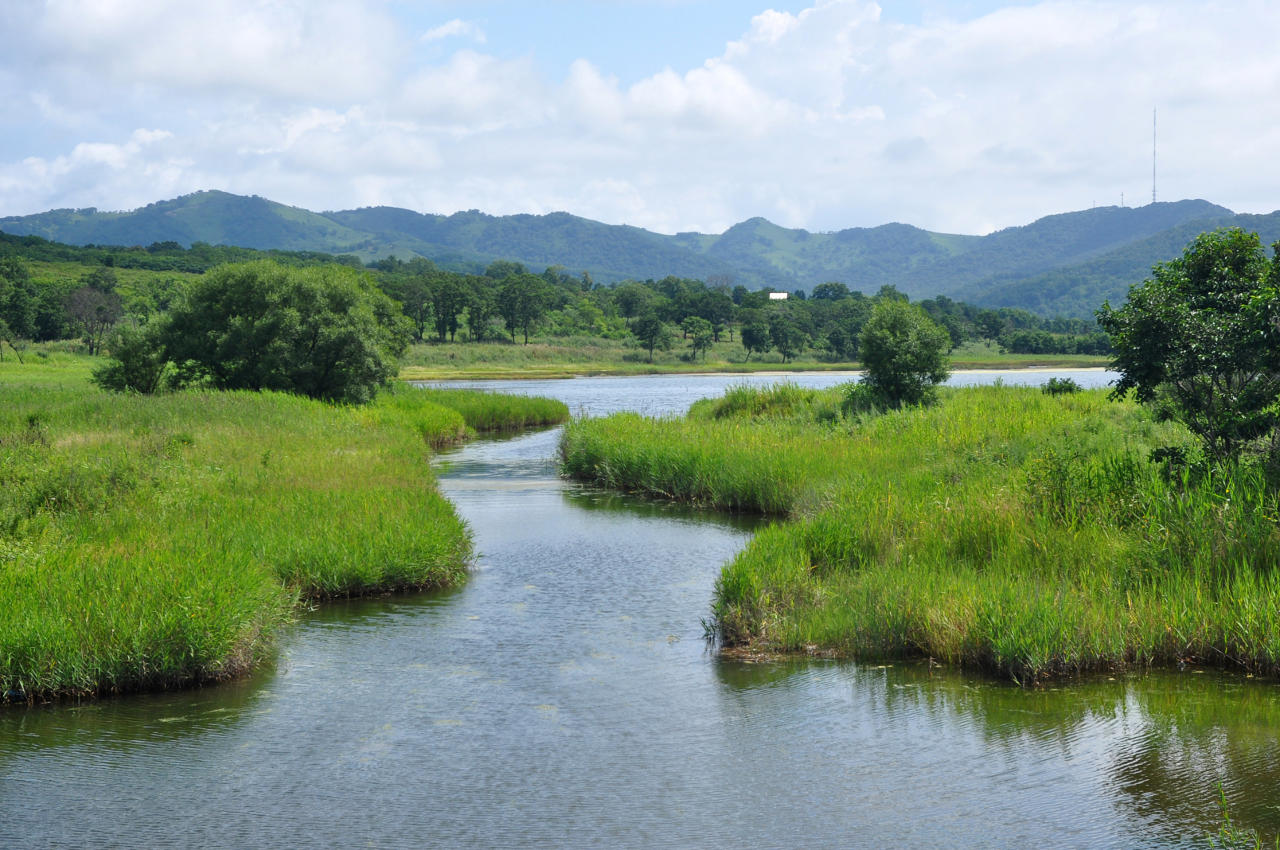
(1065, 264)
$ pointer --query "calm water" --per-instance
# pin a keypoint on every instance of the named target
(565, 697)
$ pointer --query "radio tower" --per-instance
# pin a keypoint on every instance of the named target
(1153, 155)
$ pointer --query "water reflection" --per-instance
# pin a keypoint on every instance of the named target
(610, 501)
(121, 723)
(1155, 746)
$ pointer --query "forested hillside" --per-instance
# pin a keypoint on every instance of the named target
(1065, 264)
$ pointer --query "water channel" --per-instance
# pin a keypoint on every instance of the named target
(565, 697)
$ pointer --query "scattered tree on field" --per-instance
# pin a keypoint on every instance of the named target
(700, 335)
(755, 337)
(652, 333)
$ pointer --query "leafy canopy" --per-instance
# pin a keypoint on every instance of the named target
(904, 353)
(325, 332)
(1202, 338)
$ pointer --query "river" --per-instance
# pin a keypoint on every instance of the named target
(565, 697)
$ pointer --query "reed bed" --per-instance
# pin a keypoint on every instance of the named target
(1003, 529)
(152, 542)
(489, 411)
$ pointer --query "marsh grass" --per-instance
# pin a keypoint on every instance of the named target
(150, 542)
(489, 411)
(1004, 529)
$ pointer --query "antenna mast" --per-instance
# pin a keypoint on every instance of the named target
(1153, 155)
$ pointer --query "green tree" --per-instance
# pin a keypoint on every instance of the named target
(634, 299)
(138, 361)
(18, 298)
(1202, 336)
(448, 300)
(522, 301)
(755, 337)
(93, 312)
(482, 308)
(700, 333)
(102, 279)
(830, 291)
(904, 353)
(324, 331)
(787, 336)
(414, 294)
(653, 333)
(717, 308)
(500, 270)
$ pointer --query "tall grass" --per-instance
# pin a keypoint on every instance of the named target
(148, 542)
(1004, 529)
(488, 411)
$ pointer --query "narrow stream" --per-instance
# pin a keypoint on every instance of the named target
(565, 697)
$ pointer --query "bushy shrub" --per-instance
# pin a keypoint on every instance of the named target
(1060, 386)
(858, 399)
(138, 363)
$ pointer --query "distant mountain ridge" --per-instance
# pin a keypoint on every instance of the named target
(1064, 264)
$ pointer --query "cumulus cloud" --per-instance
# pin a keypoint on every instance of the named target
(322, 49)
(826, 118)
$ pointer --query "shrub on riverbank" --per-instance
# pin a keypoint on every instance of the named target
(1005, 529)
(148, 542)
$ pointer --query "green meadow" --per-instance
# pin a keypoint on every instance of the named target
(150, 542)
(1003, 529)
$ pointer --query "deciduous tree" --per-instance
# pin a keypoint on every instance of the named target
(904, 353)
(1202, 337)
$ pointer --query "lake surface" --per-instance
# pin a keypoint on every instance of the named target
(565, 697)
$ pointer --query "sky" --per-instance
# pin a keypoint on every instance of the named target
(673, 115)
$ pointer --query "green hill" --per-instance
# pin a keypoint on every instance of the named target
(1061, 264)
(609, 252)
(1078, 290)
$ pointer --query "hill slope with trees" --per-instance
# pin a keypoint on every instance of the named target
(1065, 264)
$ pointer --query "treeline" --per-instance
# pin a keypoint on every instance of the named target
(505, 302)
(508, 301)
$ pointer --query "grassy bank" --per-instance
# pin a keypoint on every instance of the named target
(1004, 529)
(150, 542)
(575, 357)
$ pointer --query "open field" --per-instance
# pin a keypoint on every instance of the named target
(150, 542)
(1003, 529)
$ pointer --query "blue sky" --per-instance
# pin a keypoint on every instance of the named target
(667, 114)
(634, 39)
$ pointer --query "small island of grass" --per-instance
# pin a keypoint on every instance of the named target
(1021, 531)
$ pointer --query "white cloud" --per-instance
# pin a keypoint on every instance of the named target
(476, 93)
(830, 117)
(323, 49)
